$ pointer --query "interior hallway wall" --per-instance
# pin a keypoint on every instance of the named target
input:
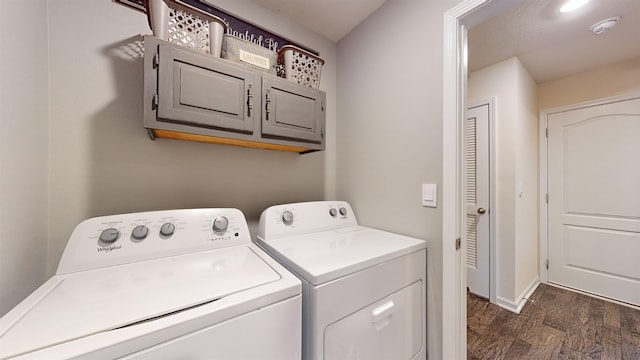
(390, 108)
(516, 181)
(607, 81)
(102, 161)
(24, 102)
(527, 179)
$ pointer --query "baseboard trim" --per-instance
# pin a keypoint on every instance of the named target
(516, 307)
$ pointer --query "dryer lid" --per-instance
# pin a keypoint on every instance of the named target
(328, 255)
(96, 301)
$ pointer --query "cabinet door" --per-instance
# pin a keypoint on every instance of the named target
(292, 111)
(204, 91)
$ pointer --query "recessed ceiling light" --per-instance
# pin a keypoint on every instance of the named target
(572, 5)
(605, 25)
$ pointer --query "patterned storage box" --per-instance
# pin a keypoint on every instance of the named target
(179, 23)
(245, 52)
(300, 66)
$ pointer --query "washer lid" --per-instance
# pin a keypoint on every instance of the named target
(328, 255)
(91, 302)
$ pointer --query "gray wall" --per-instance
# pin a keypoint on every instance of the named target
(72, 145)
(387, 143)
(23, 149)
(102, 161)
(390, 129)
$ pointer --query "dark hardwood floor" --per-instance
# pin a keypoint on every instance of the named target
(558, 324)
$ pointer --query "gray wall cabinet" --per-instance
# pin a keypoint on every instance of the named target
(198, 97)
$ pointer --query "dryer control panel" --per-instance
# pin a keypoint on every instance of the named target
(304, 218)
(120, 239)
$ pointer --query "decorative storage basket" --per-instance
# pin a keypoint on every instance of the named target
(300, 66)
(186, 26)
(245, 52)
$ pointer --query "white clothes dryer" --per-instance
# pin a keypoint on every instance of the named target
(179, 284)
(363, 290)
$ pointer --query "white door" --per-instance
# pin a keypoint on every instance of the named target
(476, 175)
(594, 199)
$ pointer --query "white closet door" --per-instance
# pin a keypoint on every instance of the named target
(594, 199)
(476, 173)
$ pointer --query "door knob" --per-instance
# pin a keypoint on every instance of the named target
(482, 210)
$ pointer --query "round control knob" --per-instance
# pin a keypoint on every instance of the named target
(167, 229)
(287, 217)
(343, 211)
(109, 235)
(140, 232)
(220, 224)
(333, 212)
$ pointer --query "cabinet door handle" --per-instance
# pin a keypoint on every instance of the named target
(249, 101)
(267, 106)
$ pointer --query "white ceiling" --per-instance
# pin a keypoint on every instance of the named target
(551, 44)
(331, 18)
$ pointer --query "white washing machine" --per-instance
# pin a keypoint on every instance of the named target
(179, 284)
(363, 290)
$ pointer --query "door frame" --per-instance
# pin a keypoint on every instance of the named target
(456, 20)
(491, 103)
(454, 338)
(543, 169)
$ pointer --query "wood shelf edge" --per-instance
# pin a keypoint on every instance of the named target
(165, 134)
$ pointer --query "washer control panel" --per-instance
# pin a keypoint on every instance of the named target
(302, 218)
(120, 239)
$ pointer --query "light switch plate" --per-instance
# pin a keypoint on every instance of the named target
(430, 195)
